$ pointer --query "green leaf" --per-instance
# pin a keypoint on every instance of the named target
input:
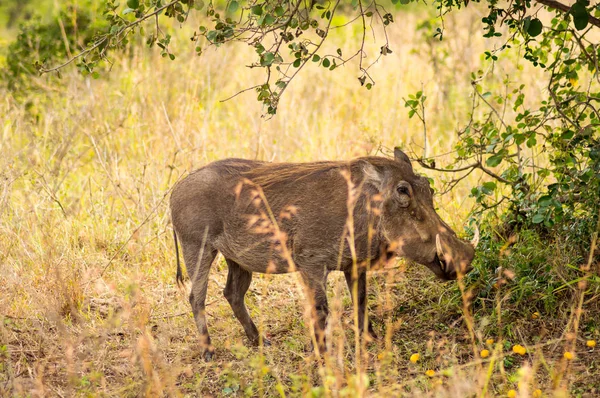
(233, 6)
(545, 201)
(567, 135)
(268, 20)
(488, 187)
(326, 63)
(538, 218)
(580, 15)
(133, 4)
(519, 139)
(297, 62)
(128, 11)
(543, 173)
(316, 58)
(535, 27)
(494, 161)
(279, 11)
(259, 48)
(267, 59)
(257, 9)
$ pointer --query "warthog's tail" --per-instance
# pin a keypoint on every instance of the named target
(179, 276)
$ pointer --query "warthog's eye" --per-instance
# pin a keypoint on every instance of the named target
(403, 190)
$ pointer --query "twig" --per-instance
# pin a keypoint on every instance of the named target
(240, 92)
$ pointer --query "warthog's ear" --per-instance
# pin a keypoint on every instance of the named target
(401, 156)
(371, 175)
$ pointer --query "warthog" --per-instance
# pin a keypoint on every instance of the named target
(307, 217)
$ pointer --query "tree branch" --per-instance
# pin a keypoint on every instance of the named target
(476, 165)
(565, 8)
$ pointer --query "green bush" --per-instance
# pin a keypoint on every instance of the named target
(41, 41)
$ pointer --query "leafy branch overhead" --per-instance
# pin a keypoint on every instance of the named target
(288, 34)
(285, 34)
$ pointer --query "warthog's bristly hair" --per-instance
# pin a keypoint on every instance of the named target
(268, 174)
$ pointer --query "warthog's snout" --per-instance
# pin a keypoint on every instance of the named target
(453, 257)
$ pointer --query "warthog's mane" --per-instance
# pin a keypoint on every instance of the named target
(269, 174)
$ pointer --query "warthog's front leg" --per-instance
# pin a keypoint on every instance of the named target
(238, 281)
(361, 288)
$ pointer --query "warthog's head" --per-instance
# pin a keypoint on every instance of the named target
(411, 225)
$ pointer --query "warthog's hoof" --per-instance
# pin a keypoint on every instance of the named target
(310, 349)
(372, 335)
(208, 355)
(256, 342)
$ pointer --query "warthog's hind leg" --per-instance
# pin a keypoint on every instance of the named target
(238, 281)
(198, 260)
(361, 289)
(316, 285)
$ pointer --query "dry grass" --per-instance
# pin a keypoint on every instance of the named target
(88, 302)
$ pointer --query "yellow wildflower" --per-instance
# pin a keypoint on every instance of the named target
(489, 341)
(535, 315)
(484, 353)
(568, 355)
(519, 349)
(414, 358)
(511, 394)
(591, 343)
(537, 393)
(430, 373)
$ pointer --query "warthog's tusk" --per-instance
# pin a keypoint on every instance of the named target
(438, 246)
(475, 240)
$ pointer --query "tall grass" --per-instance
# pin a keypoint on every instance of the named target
(88, 299)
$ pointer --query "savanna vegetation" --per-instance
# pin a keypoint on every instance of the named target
(106, 105)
